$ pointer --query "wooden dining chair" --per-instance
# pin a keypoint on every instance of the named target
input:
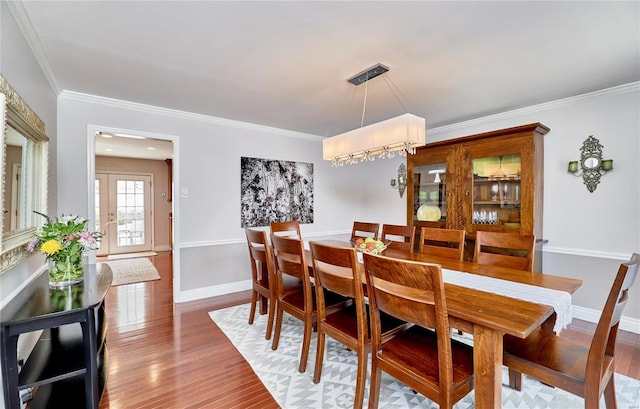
(262, 276)
(505, 250)
(584, 370)
(288, 228)
(447, 243)
(401, 237)
(336, 269)
(363, 230)
(300, 302)
(427, 361)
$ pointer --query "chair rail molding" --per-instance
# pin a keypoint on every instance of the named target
(587, 253)
(243, 240)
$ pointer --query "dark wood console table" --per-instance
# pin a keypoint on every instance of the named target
(71, 353)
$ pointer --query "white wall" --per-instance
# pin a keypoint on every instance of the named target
(208, 166)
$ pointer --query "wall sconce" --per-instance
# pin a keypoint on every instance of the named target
(591, 165)
(401, 182)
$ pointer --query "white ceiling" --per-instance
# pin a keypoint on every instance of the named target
(285, 64)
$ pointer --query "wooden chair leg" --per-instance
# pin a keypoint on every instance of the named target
(317, 372)
(276, 335)
(361, 379)
(270, 317)
(254, 301)
(263, 304)
(374, 387)
(515, 379)
(306, 343)
(610, 394)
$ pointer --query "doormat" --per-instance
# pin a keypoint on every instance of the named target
(132, 255)
(132, 271)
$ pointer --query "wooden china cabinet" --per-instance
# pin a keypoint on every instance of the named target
(490, 181)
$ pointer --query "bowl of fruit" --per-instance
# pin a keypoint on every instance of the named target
(370, 245)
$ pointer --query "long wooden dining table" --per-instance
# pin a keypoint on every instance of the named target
(488, 316)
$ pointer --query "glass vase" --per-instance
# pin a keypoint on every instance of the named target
(66, 271)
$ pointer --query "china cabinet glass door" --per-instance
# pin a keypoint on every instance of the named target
(497, 190)
(429, 193)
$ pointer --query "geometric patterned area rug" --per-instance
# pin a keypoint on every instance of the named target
(133, 270)
(278, 371)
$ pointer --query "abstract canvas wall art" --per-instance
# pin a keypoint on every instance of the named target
(275, 190)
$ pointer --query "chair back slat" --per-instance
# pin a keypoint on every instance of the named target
(287, 228)
(410, 291)
(363, 230)
(505, 250)
(335, 269)
(401, 237)
(259, 253)
(258, 244)
(447, 243)
(289, 257)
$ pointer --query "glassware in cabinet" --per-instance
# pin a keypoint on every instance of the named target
(496, 190)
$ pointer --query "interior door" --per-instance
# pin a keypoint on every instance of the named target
(124, 203)
(102, 211)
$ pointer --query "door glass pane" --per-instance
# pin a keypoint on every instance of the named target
(429, 201)
(496, 190)
(130, 211)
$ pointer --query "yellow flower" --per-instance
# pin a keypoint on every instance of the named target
(50, 247)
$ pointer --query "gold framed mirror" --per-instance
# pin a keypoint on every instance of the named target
(24, 153)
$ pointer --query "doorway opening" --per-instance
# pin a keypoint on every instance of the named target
(133, 191)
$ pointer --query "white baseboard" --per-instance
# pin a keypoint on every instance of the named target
(590, 315)
(197, 294)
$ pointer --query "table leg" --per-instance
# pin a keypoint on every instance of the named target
(487, 362)
(9, 351)
(90, 357)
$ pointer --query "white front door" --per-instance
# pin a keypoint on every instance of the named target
(124, 206)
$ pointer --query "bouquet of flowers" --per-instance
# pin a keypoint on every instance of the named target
(63, 240)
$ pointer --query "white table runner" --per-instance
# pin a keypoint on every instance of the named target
(559, 300)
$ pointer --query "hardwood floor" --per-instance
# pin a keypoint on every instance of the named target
(170, 357)
(166, 357)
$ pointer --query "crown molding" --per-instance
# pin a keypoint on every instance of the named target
(174, 113)
(545, 106)
(26, 26)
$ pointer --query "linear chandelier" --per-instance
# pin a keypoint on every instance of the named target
(401, 134)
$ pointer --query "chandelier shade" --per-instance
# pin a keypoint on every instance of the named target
(383, 139)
